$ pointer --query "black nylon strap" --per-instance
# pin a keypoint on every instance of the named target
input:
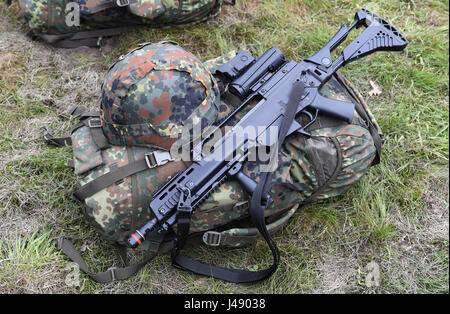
(56, 141)
(66, 245)
(256, 212)
(49, 139)
(264, 185)
(77, 113)
(99, 138)
(230, 239)
(69, 43)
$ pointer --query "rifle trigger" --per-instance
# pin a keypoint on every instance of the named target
(295, 126)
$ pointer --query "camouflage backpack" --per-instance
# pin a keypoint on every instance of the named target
(121, 154)
(73, 23)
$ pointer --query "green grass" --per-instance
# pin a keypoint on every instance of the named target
(396, 216)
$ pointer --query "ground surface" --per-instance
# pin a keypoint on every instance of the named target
(394, 220)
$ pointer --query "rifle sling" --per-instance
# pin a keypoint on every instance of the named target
(256, 213)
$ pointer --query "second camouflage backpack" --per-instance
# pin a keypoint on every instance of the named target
(121, 154)
(73, 23)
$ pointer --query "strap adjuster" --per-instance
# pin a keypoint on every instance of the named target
(157, 158)
(212, 238)
(122, 3)
(95, 123)
(113, 273)
(48, 138)
(100, 42)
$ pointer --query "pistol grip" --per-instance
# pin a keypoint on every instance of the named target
(339, 109)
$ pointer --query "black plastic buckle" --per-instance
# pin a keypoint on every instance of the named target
(48, 138)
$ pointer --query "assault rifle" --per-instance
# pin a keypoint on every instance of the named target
(283, 90)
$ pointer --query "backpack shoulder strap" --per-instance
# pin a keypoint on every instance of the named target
(89, 119)
(56, 141)
(91, 38)
(66, 245)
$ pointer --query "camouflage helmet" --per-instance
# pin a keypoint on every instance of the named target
(153, 91)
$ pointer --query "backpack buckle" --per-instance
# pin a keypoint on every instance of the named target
(48, 137)
(122, 3)
(157, 158)
(95, 123)
(212, 238)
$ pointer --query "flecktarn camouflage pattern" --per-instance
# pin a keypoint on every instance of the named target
(155, 88)
(117, 209)
(151, 92)
(49, 16)
(145, 94)
(328, 163)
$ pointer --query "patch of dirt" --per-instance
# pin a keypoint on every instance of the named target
(421, 240)
(4, 23)
(59, 79)
(53, 76)
(242, 12)
(298, 10)
(338, 274)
